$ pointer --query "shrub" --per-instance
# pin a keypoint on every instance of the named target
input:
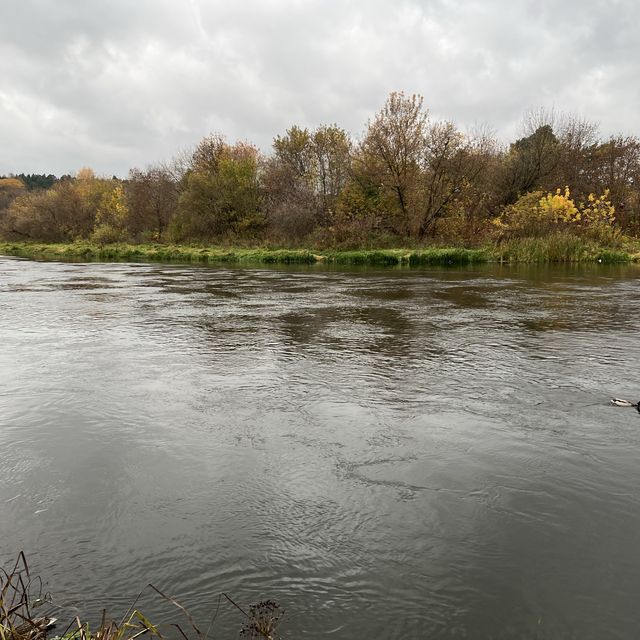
(535, 214)
(107, 234)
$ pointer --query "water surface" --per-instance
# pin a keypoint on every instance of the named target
(389, 453)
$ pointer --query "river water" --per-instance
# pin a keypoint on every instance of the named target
(388, 453)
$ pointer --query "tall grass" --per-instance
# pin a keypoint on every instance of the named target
(21, 594)
(558, 247)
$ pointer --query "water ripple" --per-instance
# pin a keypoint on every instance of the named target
(416, 453)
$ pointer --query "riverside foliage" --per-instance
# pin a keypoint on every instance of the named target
(408, 181)
(557, 247)
(22, 601)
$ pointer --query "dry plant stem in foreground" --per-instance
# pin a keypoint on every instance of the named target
(20, 594)
(17, 620)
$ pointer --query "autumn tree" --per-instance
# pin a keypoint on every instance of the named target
(577, 141)
(67, 211)
(152, 199)
(392, 152)
(294, 151)
(530, 160)
(10, 189)
(304, 177)
(412, 170)
(331, 148)
(111, 215)
(221, 194)
(288, 200)
(447, 168)
(288, 186)
(55, 215)
(616, 168)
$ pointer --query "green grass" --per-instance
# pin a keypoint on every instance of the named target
(557, 248)
(183, 253)
(155, 252)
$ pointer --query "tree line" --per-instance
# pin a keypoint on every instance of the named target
(409, 178)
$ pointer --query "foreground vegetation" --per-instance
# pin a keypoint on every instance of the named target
(408, 181)
(26, 614)
(556, 248)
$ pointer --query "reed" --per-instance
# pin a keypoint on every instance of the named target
(21, 595)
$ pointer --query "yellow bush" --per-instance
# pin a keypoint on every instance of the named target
(537, 213)
(558, 208)
(598, 210)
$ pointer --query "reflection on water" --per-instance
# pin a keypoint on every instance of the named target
(389, 453)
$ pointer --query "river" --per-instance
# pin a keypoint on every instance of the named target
(389, 453)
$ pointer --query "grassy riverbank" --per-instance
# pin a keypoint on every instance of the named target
(558, 248)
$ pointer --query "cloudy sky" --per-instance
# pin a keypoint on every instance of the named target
(113, 84)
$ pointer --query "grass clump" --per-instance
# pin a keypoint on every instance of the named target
(448, 256)
(17, 618)
(20, 595)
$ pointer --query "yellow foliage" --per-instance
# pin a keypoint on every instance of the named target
(7, 184)
(537, 212)
(558, 207)
(112, 209)
(599, 210)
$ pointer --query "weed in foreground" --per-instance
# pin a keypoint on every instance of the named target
(21, 595)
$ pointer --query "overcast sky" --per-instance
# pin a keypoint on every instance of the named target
(113, 84)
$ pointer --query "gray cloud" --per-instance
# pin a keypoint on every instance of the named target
(119, 84)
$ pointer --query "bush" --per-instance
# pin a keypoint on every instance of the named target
(107, 234)
(461, 229)
(536, 214)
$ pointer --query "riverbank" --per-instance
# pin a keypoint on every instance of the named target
(553, 249)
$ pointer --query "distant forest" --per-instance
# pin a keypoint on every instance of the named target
(407, 180)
